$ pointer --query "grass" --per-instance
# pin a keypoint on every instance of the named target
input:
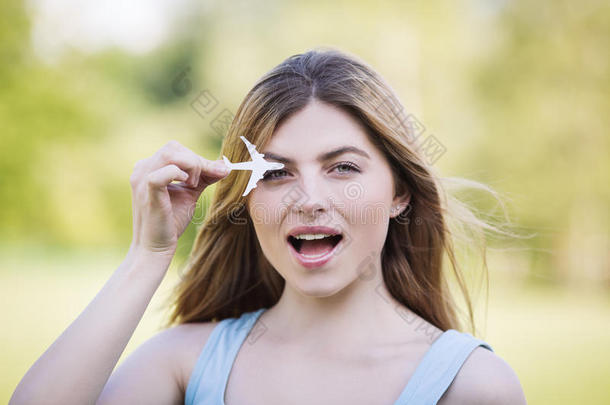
(41, 298)
(556, 340)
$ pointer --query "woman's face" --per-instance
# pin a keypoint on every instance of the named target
(351, 192)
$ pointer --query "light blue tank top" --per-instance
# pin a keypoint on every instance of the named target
(431, 378)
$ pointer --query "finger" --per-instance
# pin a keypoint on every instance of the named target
(159, 179)
(212, 172)
(213, 169)
(175, 153)
(187, 162)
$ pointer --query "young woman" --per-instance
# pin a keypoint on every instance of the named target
(324, 285)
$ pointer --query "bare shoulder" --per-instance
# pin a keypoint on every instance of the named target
(484, 379)
(158, 370)
(184, 343)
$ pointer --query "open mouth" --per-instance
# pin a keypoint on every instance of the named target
(314, 247)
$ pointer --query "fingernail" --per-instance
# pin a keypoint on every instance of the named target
(221, 168)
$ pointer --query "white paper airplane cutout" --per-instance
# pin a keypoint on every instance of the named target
(258, 165)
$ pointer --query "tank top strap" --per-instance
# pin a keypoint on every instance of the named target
(211, 372)
(439, 367)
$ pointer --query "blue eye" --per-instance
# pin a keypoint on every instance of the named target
(277, 174)
(352, 167)
(271, 174)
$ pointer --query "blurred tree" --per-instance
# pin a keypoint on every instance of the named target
(543, 97)
(38, 106)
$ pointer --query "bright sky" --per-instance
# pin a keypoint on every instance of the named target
(136, 26)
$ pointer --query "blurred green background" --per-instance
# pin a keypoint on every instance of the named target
(516, 91)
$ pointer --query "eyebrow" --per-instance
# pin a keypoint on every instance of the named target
(323, 157)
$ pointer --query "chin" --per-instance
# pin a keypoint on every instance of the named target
(319, 287)
(317, 293)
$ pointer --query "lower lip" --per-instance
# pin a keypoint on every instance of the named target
(313, 262)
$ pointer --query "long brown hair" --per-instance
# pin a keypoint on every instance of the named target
(227, 273)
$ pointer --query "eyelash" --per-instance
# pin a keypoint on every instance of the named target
(268, 176)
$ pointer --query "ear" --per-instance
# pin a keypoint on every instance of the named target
(399, 204)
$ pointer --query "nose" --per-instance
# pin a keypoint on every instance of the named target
(315, 197)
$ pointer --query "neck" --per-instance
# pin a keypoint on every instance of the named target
(363, 314)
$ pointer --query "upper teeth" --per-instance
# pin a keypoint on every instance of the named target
(311, 236)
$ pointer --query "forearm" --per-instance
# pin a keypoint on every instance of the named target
(75, 368)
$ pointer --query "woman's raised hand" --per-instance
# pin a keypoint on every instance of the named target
(82, 358)
(162, 209)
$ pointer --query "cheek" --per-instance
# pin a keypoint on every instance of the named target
(368, 216)
(269, 241)
(265, 210)
(369, 221)
(369, 200)
(266, 216)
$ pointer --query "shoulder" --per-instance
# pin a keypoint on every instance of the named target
(158, 369)
(484, 379)
(182, 344)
